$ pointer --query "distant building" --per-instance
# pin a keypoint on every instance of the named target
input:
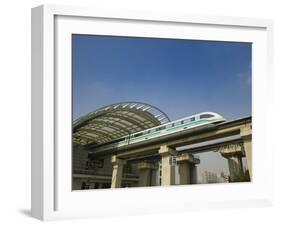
(210, 177)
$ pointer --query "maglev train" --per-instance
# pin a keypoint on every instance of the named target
(186, 123)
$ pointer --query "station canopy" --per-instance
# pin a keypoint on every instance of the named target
(115, 121)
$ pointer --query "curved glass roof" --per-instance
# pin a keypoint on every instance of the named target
(114, 121)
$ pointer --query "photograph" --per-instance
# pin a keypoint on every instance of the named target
(149, 111)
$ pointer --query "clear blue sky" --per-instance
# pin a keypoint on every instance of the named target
(181, 77)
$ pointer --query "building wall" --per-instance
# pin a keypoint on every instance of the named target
(79, 157)
(96, 173)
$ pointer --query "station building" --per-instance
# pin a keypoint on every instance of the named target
(107, 124)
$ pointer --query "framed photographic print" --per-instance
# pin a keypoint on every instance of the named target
(137, 112)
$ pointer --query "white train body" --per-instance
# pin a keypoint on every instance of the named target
(186, 123)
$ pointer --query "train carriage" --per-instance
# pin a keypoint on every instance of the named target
(186, 123)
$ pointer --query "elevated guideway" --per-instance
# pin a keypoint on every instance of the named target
(232, 139)
(222, 133)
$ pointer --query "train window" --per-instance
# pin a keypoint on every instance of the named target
(160, 128)
(146, 132)
(206, 116)
(138, 134)
(169, 126)
(177, 123)
(188, 120)
(119, 140)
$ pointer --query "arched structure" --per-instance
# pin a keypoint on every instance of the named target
(114, 121)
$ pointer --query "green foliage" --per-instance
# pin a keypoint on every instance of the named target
(243, 177)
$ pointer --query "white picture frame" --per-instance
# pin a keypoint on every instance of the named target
(52, 197)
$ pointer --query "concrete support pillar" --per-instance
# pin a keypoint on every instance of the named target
(146, 174)
(187, 168)
(233, 153)
(168, 169)
(235, 166)
(154, 176)
(194, 176)
(117, 172)
(184, 173)
(246, 135)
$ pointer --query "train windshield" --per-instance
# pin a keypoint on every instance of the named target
(206, 116)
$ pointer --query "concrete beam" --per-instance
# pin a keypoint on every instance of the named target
(230, 150)
(167, 151)
(189, 158)
(187, 140)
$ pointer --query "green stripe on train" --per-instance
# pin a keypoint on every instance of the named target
(173, 128)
